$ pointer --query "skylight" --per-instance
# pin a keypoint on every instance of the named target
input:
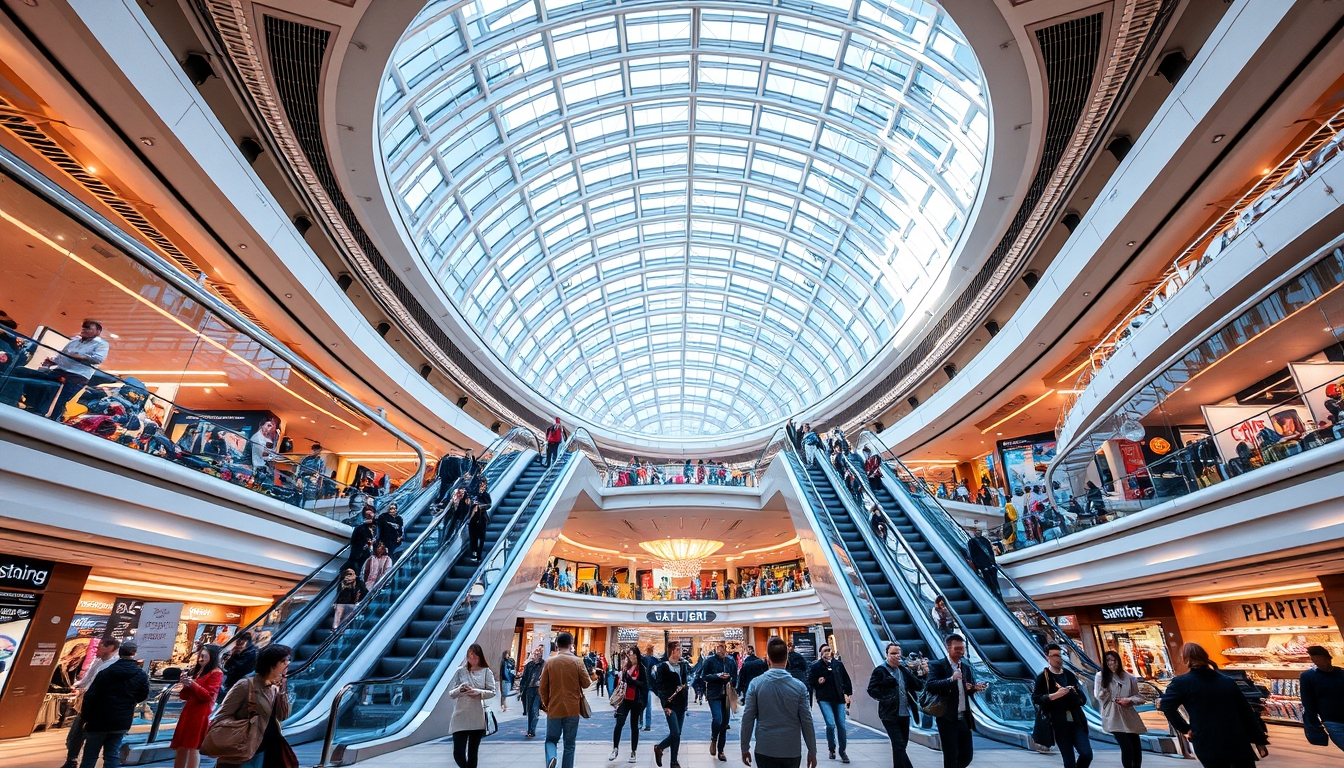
(675, 221)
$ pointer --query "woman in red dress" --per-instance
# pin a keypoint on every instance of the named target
(200, 688)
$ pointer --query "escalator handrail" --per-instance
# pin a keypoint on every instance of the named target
(588, 447)
(833, 533)
(544, 482)
(948, 524)
(402, 557)
(924, 576)
(763, 461)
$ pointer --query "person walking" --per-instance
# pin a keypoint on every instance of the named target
(673, 681)
(479, 520)
(954, 683)
(270, 704)
(109, 707)
(651, 662)
(797, 664)
(528, 694)
(980, 551)
(753, 666)
(200, 690)
(471, 685)
(563, 681)
(776, 712)
(363, 537)
(74, 740)
(239, 663)
(942, 615)
(893, 687)
(829, 681)
(350, 591)
(1322, 692)
(635, 678)
(376, 567)
(1224, 730)
(600, 671)
(717, 673)
(1118, 693)
(1059, 694)
(508, 674)
(812, 444)
(555, 436)
(391, 529)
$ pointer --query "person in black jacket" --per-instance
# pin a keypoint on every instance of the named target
(1061, 699)
(479, 520)
(391, 529)
(636, 679)
(797, 666)
(954, 682)
(717, 673)
(893, 686)
(1222, 725)
(828, 679)
(109, 707)
(529, 683)
(752, 666)
(980, 552)
(672, 683)
(362, 539)
(241, 662)
(651, 662)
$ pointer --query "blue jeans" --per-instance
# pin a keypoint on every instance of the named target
(834, 715)
(555, 728)
(1074, 740)
(1336, 731)
(648, 711)
(109, 742)
(675, 721)
(718, 732)
(532, 705)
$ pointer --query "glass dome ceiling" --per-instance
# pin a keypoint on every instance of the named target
(681, 220)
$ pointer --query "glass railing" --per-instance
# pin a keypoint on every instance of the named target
(354, 716)
(1300, 164)
(124, 411)
(713, 473)
(734, 591)
(1007, 698)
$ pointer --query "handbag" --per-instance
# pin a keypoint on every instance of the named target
(1043, 733)
(932, 704)
(491, 722)
(231, 740)
(584, 709)
(618, 695)
(287, 757)
(731, 693)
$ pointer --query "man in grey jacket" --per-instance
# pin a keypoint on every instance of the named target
(777, 711)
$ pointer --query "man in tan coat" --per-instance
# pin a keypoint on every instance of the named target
(562, 682)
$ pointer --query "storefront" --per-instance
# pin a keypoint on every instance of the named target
(1265, 633)
(1145, 634)
(36, 597)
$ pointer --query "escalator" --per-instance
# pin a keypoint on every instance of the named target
(972, 618)
(390, 707)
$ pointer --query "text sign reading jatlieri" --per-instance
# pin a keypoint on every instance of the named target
(681, 617)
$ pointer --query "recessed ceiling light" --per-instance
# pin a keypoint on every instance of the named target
(289, 295)
(1187, 389)
(1217, 137)
(1000, 434)
(207, 390)
(242, 246)
(1131, 243)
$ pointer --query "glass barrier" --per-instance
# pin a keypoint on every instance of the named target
(379, 706)
(1300, 164)
(748, 589)
(716, 473)
(159, 362)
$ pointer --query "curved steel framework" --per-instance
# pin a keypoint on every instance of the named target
(684, 219)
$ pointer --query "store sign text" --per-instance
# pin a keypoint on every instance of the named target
(25, 574)
(1278, 610)
(682, 617)
(1111, 613)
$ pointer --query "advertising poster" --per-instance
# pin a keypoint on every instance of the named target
(1235, 424)
(81, 641)
(1131, 453)
(125, 617)
(214, 634)
(1025, 460)
(156, 633)
(1322, 385)
(806, 644)
(16, 613)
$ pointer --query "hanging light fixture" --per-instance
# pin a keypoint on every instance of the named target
(682, 558)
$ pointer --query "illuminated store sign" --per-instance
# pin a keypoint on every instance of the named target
(681, 617)
(1115, 612)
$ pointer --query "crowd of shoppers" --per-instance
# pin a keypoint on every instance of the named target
(756, 582)
(689, 472)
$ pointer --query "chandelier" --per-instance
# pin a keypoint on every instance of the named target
(682, 558)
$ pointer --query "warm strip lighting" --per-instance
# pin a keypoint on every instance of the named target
(1048, 393)
(168, 373)
(1266, 592)
(185, 384)
(788, 543)
(149, 589)
(1075, 371)
(218, 345)
(591, 548)
(940, 462)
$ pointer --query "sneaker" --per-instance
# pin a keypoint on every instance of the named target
(531, 735)
(844, 758)
(658, 755)
(615, 753)
(832, 757)
(633, 757)
(646, 730)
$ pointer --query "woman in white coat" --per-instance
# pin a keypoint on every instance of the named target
(472, 684)
(1118, 692)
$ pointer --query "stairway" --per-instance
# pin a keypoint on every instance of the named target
(991, 642)
(883, 594)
